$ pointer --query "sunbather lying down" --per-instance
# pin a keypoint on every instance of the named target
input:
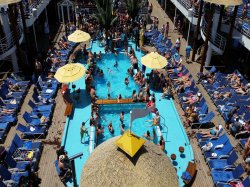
(212, 132)
(175, 70)
(218, 95)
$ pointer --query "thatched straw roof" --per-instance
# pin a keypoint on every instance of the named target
(7, 2)
(225, 2)
(110, 166)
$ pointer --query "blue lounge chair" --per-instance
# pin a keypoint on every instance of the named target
(16, 166)
(245, 182)
(243, 142)
(215, 141)
(220, 164)
(28, 145)
(200, 136)
(204, 120)
(220, 153)
(11, 178)
(227, 175)
(8, 118)
(32, 121)
(32, 132)
(40, 107)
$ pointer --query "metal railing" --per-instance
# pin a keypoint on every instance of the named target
(219, 41)
(187, 4)
(241, 24)
(7, 42)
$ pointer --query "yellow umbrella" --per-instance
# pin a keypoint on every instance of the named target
(70, 72)
(130, 143)
(154, 60)
(79, 36)
(7, 2)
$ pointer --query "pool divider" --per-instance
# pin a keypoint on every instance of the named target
(92, 139)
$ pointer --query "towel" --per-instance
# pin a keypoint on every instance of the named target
(186, 176)
(49, 91)
(32, 129)
(219, 146)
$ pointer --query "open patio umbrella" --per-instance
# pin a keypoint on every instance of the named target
(7, 2)
(70, 73)
(130, 143)
(154, 60)
(225, 2)
(79, 36)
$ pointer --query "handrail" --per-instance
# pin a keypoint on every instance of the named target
(219, 41)
(188, 5)
(7, 42)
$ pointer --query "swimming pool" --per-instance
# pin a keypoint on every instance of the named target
(172, 128)
(112, 113)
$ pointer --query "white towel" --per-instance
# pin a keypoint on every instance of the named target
(48, 91)
(219, 146)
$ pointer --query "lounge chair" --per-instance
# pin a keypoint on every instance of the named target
(227, 175)
(189, 174)
(11, 179)
(215, 141)
(204, 120)
(31, 132)
(243, 142)
(32, 121)
(40, 107)
(221, 164)
(16, 166)
(219, 153)
(200, 136)
(245, 182)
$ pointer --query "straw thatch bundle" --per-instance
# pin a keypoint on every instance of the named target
(110, 166)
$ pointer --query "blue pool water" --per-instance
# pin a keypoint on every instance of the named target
(116, 76)
(172, 128)
(112, 113)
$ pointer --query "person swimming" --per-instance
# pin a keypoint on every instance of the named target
(116, 64)
(122, 127)
(122, 117)
(126, 81)
(110, 127)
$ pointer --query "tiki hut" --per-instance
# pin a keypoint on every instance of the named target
(110, 166)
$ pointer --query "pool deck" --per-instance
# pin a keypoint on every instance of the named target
(46, 166)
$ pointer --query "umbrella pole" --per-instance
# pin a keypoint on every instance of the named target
(130, 124)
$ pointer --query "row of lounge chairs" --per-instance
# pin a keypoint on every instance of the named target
(222, 159)
(22, 157)
(227, 105)
(157, 39)
(19, 161)
(205, 117)
(12, 92)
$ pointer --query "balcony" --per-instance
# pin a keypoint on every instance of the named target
(7, 44)
(33, 10)
(187, 9)
(217, 42)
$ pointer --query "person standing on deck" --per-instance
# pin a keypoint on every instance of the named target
(83, 131)
(178, 44)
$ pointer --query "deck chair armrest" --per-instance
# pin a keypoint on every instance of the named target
(201, 115)
(229, 167)
(230, 104)
(233, 180)
(34, 116)
(223, 156)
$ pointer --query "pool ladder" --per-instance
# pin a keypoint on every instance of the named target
(164, 128)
